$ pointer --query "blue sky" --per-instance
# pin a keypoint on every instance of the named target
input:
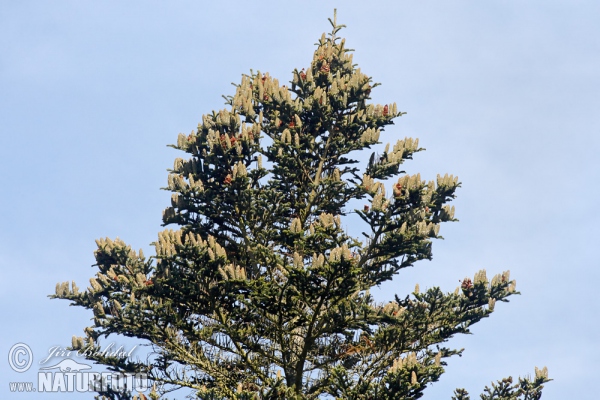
(504, 94)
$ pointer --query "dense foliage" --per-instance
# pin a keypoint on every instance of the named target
(262, 292)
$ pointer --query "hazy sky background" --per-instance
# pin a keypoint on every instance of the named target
(504, 94)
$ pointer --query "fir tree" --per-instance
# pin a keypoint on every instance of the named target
(262, 292)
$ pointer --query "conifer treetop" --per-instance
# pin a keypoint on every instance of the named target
(262, 292)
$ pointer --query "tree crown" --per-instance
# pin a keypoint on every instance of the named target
(262, 292)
